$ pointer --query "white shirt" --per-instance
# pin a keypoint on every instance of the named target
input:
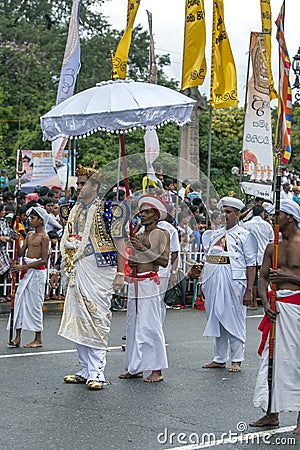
(286, 195)
(263, 233)
(174, 245)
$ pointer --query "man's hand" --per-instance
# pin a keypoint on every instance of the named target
(118, 282)
(18, 268)
(136, 243)
(269, 313)
(54, 280)
(279, 276)
(247, 299)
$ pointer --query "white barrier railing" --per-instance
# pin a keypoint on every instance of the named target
(5, 280)
(186, 260)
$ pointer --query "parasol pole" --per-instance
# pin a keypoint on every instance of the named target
(273, 286)
(19, 173)
(114, 75)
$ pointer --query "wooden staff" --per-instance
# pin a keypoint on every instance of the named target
(273, 286)
(131, 233)
(19, 173)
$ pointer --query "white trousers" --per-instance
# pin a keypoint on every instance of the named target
(228, 343)
(92, 361)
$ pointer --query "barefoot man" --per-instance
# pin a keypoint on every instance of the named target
(286, 368)
(145, 341)
(29, 299)
(227, 283)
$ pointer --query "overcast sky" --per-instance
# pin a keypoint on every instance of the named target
(241, 17)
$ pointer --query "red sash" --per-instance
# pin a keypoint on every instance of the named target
(152, 275)
(23, 272)
(264, 325)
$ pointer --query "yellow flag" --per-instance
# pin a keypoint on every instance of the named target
(266, 24)
(223, 85)
(121, 56)
(194, 63)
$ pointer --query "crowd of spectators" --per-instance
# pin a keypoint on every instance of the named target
(190, 213)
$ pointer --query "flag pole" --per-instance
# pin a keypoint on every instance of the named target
(208, 161)
(245, 107)
(275, 267)
(279, 151)
(19, 173)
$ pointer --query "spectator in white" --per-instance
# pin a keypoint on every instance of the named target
(52, 225)
(169, 273)
(264, 234)
(186, 233)
(286, 193)
(55, 213)
(212, 205)
(181, 191)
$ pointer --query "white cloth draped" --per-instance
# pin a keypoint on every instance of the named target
(223, 298)
(28, 314)
(286, 364)
(145, 341)
(86, 318)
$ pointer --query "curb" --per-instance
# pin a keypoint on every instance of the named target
(49, 307)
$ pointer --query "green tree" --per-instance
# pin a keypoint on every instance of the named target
(227, 138)
(32, 44)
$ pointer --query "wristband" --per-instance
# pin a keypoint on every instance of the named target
(121, 274)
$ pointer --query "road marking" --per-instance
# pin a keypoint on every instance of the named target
(246, 438)
(52, 352)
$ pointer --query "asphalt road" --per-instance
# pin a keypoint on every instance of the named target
(192, 406)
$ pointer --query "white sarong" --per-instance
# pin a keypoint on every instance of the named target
(86, 318)
(28, 314)
(286, 364)
(223, 301)
(145, 341)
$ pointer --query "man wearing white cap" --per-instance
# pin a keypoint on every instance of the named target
(286, 368)
(29, 299)
(145, 341)
(227, 282)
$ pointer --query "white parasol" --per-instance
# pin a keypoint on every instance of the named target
(116, 106)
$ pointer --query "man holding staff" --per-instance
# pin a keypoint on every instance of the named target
(286, 365)
(145, 342)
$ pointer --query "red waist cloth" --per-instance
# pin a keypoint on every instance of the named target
(152, 275)
(23, 272)
(264, 325)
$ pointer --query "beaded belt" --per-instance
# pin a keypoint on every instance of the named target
(218, 260)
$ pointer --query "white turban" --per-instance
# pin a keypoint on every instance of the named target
(232, 202)
(289, 207)
(41, 212)
(156, 203)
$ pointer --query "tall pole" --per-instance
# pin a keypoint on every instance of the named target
(246, 101)
(273, 286)
(208, 161)
(19, 173)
